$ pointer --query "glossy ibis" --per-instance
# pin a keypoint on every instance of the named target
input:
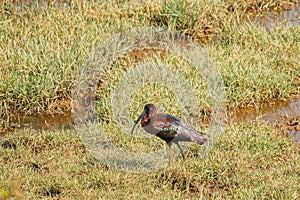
(169, 128)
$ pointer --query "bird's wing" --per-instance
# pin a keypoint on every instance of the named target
(171, 126)
(166, 123)
(179, 129)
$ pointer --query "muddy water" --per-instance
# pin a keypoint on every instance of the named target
(275, 19)
(287, 117)
(274, 112)
(278, 112)
(43, 122)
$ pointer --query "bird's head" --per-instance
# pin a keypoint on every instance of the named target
(149, 111)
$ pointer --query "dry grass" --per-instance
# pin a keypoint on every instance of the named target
(249, 161)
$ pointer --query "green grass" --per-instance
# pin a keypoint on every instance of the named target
(251, 160)
(43, 48)
(257, 65)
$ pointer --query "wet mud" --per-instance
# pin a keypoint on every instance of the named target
(284, 115)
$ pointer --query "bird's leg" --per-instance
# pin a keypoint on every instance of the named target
(170, 152)
(181, 151)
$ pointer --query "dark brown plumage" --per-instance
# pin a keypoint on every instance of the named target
(169, 128)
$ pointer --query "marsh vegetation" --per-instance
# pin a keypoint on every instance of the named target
(43, 48)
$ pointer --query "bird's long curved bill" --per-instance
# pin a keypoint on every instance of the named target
(137, 121)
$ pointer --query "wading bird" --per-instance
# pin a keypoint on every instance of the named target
(169, 128)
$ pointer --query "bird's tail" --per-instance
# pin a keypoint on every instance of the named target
(199, 138)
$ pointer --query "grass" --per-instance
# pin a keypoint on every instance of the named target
(251, 160)
(42, 50)
(261, 67)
